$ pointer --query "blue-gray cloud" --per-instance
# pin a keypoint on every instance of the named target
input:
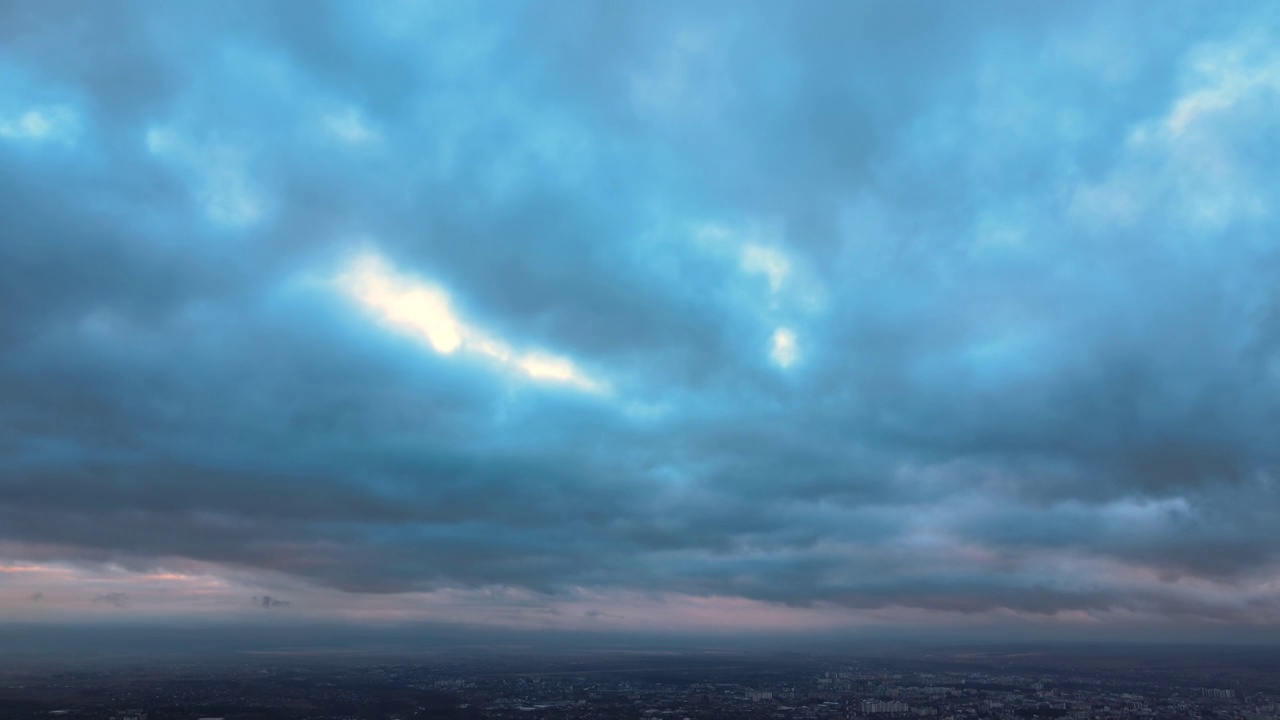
(956, 308)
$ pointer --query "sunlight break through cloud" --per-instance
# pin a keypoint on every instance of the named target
(784, 351)
(416, 308)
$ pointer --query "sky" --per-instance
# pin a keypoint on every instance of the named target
(643, 317)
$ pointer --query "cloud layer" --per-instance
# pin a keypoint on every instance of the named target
(791, 315)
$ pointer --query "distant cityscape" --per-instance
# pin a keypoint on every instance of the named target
(656, 686)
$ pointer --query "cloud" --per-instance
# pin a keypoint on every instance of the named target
(784, 350)
(755, 315)
(114, 599)
(414, 307)
(404, 303)
(217, 174)
(57, 123)
(768, 262)
(350, 126)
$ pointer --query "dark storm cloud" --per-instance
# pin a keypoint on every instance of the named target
(1026, 261)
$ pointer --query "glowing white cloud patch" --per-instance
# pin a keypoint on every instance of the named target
(349, 126)
(404, 302)
(417, 308)
(756, 249)
(45, 124)
(770, 262)
(754, 246)
(546, 367)
(784, 350)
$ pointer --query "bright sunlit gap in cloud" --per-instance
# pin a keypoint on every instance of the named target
(784, 351)
(413, 307)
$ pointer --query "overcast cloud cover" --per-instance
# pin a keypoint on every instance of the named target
(642, 315)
